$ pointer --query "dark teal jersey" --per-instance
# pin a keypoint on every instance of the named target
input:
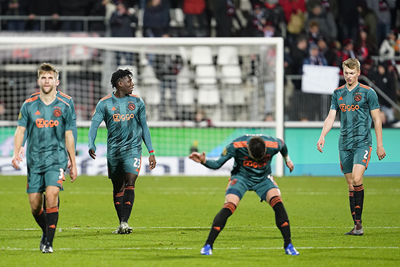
(355, 115)
(244, 165)
(46, 126)
(70, 101)
(126, 124)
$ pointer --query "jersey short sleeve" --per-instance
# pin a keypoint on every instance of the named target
(99, 112)
(334, 103)
(23, 116)
(372, 98)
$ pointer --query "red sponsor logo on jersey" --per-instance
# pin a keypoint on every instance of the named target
(253, 164)
(357, 97)
(42, 123)
(57, 113)
(123, 117)
(344, 107)
(131, 106)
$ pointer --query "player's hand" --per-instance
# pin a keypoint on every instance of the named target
(73, 173)
(152, 162)
(21, 152)
(380, 151)
(92, 154)
(320, 144)
(197, 157)
(16, 160)
(290, 165)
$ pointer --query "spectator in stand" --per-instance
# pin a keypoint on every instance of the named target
(314, 33)
(294, 11)
(364, 48)
(156, 18)
(368, 20)
(272, 13)
(97, 8)
(298, 53)
(43, 8)
(17, 8)
(195, 10)
(348, 20)
(315, 57)
(329, 53)
(123, 23)
(223, 14)
(390, 47)
(383, 13)
(385, 81)
(347, 51)
(325, 20)
(77, 8)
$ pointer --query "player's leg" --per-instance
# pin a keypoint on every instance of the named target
(117, 179)
(128, 200)
(273, 197)
(35, 188)
(35, 201)
(346, 165)
(131, 168)
(234, 193)
(358, 173)
(231, 202)
(52, 193)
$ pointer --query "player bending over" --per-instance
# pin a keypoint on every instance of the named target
(251, 172)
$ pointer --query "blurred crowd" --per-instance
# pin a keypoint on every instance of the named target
(317, 32)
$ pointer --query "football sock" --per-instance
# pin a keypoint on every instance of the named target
(128, 199)
(118, 198)
(352, 205)
(41, 220)
(281, 219)
(220, 221)
(51, 224)
(359, 202)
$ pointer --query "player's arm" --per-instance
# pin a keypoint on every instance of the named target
(285, 154)
(97, 118)
(70, 145)
(380, 151)
(18, 139)
(328, 123)
(146, 136)
(211, 164)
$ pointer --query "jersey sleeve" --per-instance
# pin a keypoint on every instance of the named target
(23, 116)
(69, 125)
(74, 129)
(334, 102)
(372, 98)
(226, 154)
(145, 129)
(97, 118)
(283, 148)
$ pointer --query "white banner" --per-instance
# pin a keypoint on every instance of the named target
(320, 79)
(165, 166)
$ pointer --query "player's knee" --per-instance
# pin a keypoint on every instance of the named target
(230, 206)
(275, 200)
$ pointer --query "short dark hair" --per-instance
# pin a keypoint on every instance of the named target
(256, 146)
(120, 73)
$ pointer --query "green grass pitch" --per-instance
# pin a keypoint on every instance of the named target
(172, 216)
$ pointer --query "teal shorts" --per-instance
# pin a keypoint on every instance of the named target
(350, 157)
(239, 185)
(117, 168)
(37, 182)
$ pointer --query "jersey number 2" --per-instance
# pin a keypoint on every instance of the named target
(136, 163)
(366, 154)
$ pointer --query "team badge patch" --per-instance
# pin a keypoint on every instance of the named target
(131, 106)
(357, 97)
(57, 113)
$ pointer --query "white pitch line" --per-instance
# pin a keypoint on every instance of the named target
(199, 227)
(187, 248)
